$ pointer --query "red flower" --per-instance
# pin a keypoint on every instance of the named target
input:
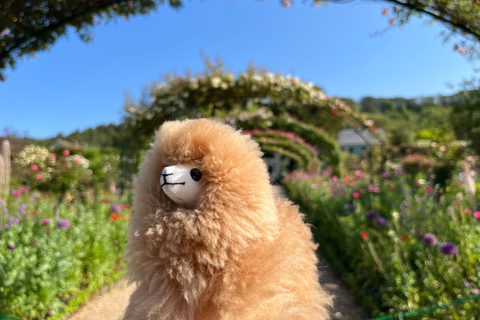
(114, 217)
(364, 235)
(287, 4)
(392, 187)
(34, 167)
(404, 238)
(428, 189)
(126, 206)
(305, 199)
(106, 200)
(356, 195)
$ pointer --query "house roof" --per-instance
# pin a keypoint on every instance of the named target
(354, 137)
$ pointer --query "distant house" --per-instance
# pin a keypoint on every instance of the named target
(64, 144)
(356, 141)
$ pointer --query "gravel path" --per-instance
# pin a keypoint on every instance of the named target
(111, 305)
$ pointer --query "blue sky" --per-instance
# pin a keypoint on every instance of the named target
(77, 85)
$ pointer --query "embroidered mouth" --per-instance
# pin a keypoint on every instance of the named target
(165, 183)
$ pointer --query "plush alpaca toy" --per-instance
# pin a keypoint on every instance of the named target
(209, 242)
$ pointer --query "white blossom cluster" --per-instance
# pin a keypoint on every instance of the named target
(37, 159)
(290, 92)
(31, 155)
(77, 160)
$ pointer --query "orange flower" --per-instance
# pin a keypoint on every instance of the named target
(35, 211)
(461, 51)
(385, 11)
(120, 217)
(127, 218)
(364, 235)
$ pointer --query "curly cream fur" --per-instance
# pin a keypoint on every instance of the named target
(237, 254)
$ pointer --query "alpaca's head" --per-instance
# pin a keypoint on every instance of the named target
(206, 168)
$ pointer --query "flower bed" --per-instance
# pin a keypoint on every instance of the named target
(401, 246)
(51, 251)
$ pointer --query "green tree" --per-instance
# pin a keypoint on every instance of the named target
(27, 27)
(466, 118)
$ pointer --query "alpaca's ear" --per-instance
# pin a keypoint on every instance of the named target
(182, 184)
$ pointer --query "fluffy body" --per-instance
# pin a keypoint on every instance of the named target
(237, 254)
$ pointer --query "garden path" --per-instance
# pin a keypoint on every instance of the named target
(111, 305)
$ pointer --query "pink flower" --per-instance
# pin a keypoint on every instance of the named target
(66, 152)
(38, 177)
(53, 156)
(466, 211)
(428, 189)
(356, 195)
(477, 215)
(476, 291)
(34, 167)
(15, 193)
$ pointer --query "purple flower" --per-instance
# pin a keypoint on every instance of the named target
(385, 175)
(467, 284)
(10, 247)
(429, 239)
(448, 248)
(22, 206)
(63, 224)
(46, 222)
(351, 207)
(372, 214)
(478, 267)
(15, 221)
(116, 208)
(2, 203)
(5, 210)
(382, 222)
(6, 226)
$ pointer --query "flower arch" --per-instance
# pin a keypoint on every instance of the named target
(254, 99)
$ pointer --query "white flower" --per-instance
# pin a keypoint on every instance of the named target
(215, 81)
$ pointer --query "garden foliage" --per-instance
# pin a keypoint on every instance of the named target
(403, 244)
(50, 250)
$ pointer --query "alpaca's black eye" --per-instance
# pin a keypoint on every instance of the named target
(196, 174)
